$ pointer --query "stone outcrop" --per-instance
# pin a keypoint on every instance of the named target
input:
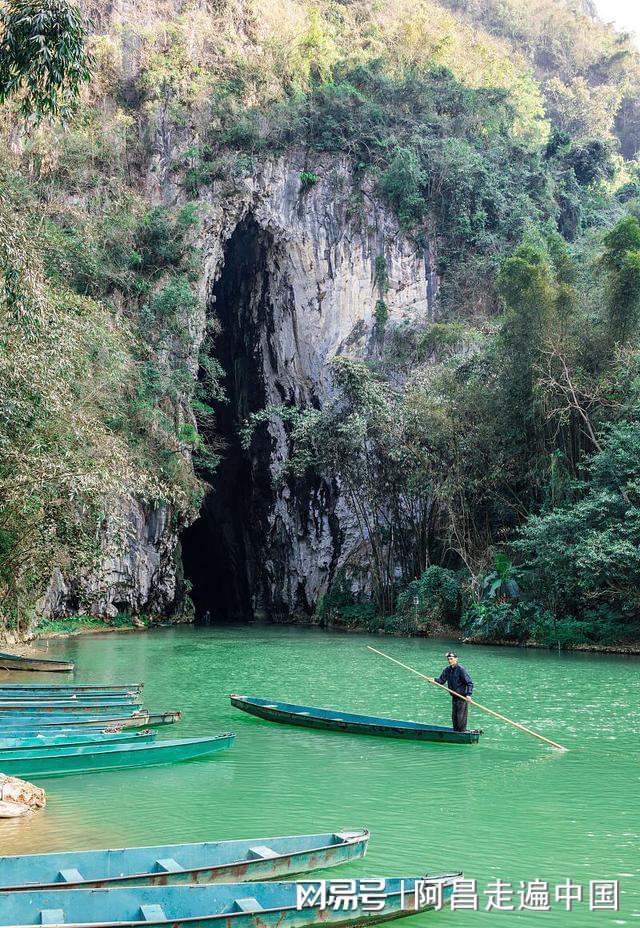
(313, 253)
(291, 269)
(17, 797)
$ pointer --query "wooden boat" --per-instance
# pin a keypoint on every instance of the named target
(210, 862)
(332, 720)
(38, 690)
(57, 723)
(15, 662)
(231, 905)
(71, 707)
(57, 706)
(31, 742)
(95, 757)
(31, 703)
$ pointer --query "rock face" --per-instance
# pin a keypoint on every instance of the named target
(17, 797)
(139, 571)
(291, 270)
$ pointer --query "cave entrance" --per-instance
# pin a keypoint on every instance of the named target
(221, 550)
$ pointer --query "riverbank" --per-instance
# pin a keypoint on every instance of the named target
(74, 626)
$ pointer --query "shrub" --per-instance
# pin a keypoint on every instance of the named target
(438, 595)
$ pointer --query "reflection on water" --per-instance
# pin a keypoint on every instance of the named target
(509, 807)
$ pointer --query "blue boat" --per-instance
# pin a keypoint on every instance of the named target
(232, 905)
(62, 707)
(66, 690)
(334, 720)
(142, 719)
(10, 746)
(209, 862)
(17, 662)
(95, 757)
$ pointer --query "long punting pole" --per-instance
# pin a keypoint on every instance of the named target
(472, 701)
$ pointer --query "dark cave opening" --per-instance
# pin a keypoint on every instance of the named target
(221, 550)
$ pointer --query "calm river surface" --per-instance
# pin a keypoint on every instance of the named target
(509, 808)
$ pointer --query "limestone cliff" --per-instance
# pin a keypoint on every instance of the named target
(290, 270)
(310, 253)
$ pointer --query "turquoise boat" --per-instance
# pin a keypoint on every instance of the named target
(16, 662)
(209, 862)
(38, 690)
(96, 757)
(10, 746)
(70, 706)
(333, 720)
(44, 723)
(291, 904)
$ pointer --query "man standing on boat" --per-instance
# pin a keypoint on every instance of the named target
(456, 678)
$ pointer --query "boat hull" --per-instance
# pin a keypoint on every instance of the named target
(71, 707)
(232, 905)
(330, 720)
(114, 723)
(28, 743)
(93, 759)
(46, 665)
(37, 690)
(213, 862)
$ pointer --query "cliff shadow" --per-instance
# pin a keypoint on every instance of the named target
(221, 549)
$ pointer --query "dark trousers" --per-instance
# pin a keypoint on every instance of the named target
(459, 713)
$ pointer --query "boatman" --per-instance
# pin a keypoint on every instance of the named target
(456, 678)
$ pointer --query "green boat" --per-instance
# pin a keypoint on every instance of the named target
(58, 724)
(21, 743)
(46, 665)
(40, 690)
(94, 758)
(70, 706)
(334, 720)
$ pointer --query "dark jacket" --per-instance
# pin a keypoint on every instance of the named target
(457, 679)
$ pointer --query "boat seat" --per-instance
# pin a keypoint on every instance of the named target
(169, 865)
(246, 904)
(71, 876)
(51, 917)
(262, 852)
(153, 913)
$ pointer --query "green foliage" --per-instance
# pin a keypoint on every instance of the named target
(43, 57)
(621, 260)
(339, 605)
(381, 281)
(437, 592)
(174, 301)
(586, 551)
(501, 584)
(308, 179)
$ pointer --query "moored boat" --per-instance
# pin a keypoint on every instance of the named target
(333, 720)
(37, 690)
(207, 862)
(95, 757)
(12, 745)
(70, 706)
(292, 904)
(45, 722)
(16, 662)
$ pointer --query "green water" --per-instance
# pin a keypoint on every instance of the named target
(509, 808)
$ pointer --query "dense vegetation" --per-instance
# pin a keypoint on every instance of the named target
(490, 457)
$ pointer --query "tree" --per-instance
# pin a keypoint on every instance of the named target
(621, 261)
(586, 553)
(43, 57)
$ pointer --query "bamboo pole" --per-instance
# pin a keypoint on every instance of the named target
(553, 744)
